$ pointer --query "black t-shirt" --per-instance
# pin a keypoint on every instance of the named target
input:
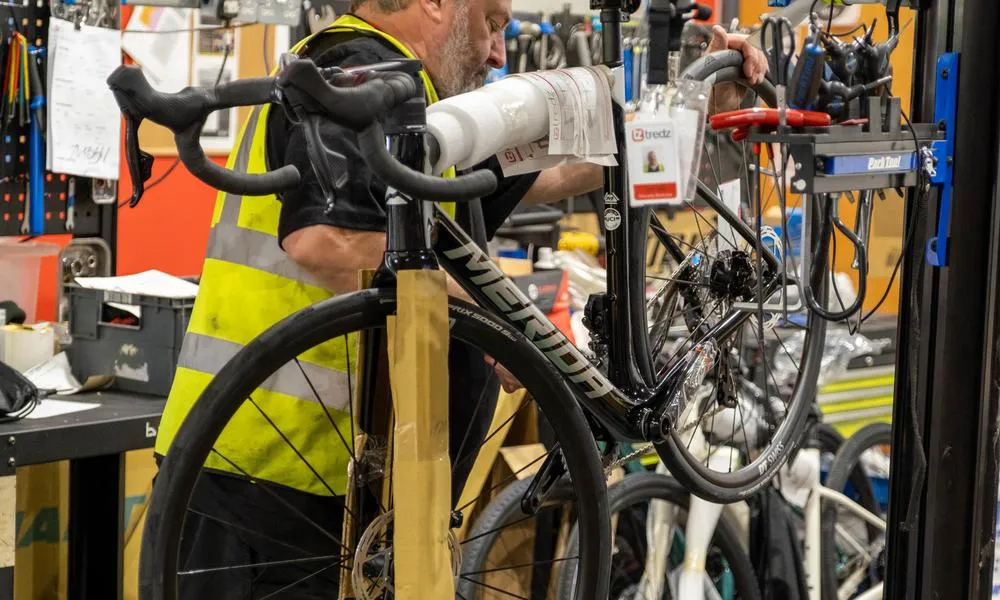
(362, 204)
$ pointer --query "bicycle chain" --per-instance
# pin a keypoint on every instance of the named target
(648, 448)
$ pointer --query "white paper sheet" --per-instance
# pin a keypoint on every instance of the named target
(56, 26)
(57, 408)
(54, 374)
(84, 119)
(152, 283)
(164, 57)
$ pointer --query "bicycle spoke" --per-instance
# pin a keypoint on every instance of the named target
(304, 579)
(499, 428)
(273, 563)
(475, 413)
(746, 436)
(494, 588)
(326, 411)
(785, 348)
(521, 566)
(277, 497)
(292, 446)
(496, 529)
(510, 478)
(246, 529)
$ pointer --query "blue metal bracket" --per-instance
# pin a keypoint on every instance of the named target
(943, 151)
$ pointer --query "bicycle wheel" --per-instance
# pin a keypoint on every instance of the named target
(762, 362)
(501, 548)
(864, 449)
(728, 572)
(365, 556)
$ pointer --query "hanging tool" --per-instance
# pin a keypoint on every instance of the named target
(627, 58)
(873, 59)
(71, 204)
(525, 37)
(36, 148)
(834, 97)
(808, 74)
(548, 51)
(778, 30)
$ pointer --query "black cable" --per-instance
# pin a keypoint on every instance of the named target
(907, 239)
(177, 161)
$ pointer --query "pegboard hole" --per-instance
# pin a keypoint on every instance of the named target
(62, 178)
(24, 22)
(48, 216)
(48, 177)
(6, 197)
(22, 140)
(20, 159)
(20, 216)
(7, 158)
(20, 197)
(62, 196)
(6, 216)
(39, 23)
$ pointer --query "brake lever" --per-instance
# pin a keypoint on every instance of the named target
(329, 166)
(140, 163)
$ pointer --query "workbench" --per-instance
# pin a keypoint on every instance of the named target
(94, 442)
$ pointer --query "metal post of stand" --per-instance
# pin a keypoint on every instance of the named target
(941, 524)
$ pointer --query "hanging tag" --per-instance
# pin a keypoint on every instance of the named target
(653, 164)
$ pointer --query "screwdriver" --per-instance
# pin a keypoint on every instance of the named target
(808, 74)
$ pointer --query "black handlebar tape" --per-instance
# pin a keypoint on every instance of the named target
(244, 184)
(474, 185)
(354, 107)
(182, 110)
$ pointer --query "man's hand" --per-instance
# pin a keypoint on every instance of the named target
(727, 96)
(509, 383)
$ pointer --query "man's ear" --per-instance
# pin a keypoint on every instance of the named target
(434, 9)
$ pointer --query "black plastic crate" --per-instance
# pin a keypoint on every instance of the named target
(142, 357)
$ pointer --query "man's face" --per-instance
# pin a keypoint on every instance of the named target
(471, 43)
(651, 158)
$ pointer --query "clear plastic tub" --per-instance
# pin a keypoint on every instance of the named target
(20, 269)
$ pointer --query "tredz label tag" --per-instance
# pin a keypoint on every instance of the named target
(653, 164)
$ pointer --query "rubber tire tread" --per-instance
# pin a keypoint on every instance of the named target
(504, 508)
(330, 319)
(643, 487)
(844, 466)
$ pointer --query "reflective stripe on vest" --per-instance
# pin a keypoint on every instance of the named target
(294, 428)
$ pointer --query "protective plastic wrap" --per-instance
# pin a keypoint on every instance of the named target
(840, 348)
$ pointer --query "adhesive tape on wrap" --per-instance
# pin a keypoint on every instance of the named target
(472, 127)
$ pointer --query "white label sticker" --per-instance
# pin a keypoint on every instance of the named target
(532, 157)
(653, 165)
(612, 219)
(579, 103)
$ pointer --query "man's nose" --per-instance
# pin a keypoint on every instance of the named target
(498, 51)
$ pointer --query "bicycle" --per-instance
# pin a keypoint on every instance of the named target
(634, 401)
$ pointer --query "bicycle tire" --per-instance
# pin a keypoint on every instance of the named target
(643, 487)
(504, 508)
(290, 337)
(845, 465)
(724, 488)
(830, 442)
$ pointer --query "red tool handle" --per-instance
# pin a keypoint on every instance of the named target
(768, 117)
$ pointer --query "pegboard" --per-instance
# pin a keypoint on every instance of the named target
(32, 20)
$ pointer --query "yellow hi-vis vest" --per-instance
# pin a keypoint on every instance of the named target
(247, 285)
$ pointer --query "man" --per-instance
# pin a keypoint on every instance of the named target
(248, 284)
(652, 165)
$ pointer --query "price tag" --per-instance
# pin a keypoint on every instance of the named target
(528, 158)
(654, 172)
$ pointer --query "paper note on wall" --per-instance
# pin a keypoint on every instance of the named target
(85, 122)
(158, 39)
